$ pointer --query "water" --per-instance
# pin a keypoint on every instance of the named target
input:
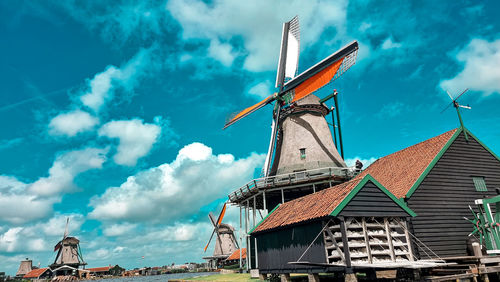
(154, 278)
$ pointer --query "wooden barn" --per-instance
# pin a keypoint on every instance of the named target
(438, 179)
(403, 209)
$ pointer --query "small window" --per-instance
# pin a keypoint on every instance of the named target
(479, 183)
(302, 153)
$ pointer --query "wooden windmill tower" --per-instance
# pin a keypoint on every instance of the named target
(300, 137)
(302, 157)
(68, 251)
(225, 243)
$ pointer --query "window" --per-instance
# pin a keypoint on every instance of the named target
(302, 153)
(479, 183)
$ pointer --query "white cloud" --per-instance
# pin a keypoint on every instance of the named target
(177, 189)
(101, 88)
(118, 229)
(65, 168)
(222, 52)
(40, 236)
(72, 123)
(118, 23)
(136, 139)
(366, 161)
(261, 90)
(389, 44)
(259, 23)
(480, 59)
(13, 195)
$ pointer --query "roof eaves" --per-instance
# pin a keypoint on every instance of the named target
(393, 198)
(433, 163)
(360, 185)
(482, 144)
(349, 196)
(260, 222)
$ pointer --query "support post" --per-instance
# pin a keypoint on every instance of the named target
(314, 188)
(285, 277)
(256, 255)
(335, 99)
(241, 243)
(389, 239)
(345, 245)
(254, 210)
(282, 196)
(313, 277)
(264, 201)
(247, 211)
(334, 130)
(460, 119)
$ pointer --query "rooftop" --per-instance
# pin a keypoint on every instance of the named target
(35, 273)
(399, 171)
(236, 254)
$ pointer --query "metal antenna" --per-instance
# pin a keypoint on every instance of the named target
(455, 104)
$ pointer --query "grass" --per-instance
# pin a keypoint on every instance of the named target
(237, 277)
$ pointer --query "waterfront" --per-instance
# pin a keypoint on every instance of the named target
(163, 277)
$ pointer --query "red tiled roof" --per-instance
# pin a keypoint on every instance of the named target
(99, 269)
(236, 254)
(400, 170)
(35, 273)
(397, 172)
(319, 204)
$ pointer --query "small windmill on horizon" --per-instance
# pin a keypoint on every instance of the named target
(226, 242)
(68, 251)
(298, 122)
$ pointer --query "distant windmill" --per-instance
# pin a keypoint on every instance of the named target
(292, 89)
(457, 106)
(226, 241)
(68, 251)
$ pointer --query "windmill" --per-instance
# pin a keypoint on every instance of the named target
(457, 106)
(68, 251)
(294, 97)
(226, 242)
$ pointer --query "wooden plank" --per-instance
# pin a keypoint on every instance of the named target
(450, 277)
(486, 260)
(367, 240)
(389, 239)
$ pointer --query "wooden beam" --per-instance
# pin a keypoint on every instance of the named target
(389, 239)
(367, 240)
(337, 247)
(345, 244)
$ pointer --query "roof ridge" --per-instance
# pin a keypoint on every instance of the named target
(419, 143)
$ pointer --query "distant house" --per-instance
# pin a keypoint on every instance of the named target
(409, 205)
(234, 258)
(38, 274)
(106, 271)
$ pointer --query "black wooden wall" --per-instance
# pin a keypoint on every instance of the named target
(371, 201)
(442, 199)
(279, 247)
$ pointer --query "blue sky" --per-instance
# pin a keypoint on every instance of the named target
(111, 112)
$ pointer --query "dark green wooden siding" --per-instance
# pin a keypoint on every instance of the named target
(371, 201)
(277, 248)
(442, 199)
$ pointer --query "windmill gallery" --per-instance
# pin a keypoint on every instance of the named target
(408, 212)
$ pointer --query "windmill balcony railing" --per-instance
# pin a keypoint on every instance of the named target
(269, 182)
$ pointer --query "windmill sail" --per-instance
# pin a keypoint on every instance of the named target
(249, 110)
(323, 72)
(289, 52)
